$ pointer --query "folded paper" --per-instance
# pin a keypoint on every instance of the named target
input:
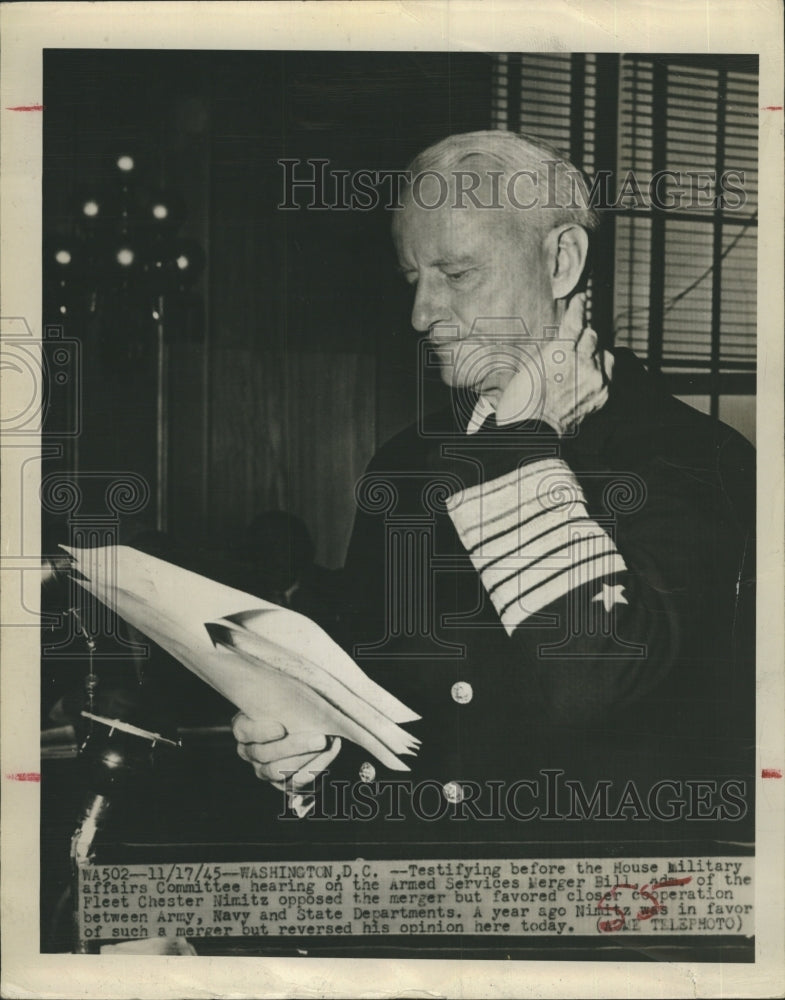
(268, 661)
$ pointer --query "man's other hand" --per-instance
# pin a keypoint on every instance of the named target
(572, 382)
(287, 760)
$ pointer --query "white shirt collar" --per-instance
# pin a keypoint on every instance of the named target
(482, 410)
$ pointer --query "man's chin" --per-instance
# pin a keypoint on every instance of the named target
(447, 373)
(463, 386)
(476, 371)
(453, 379)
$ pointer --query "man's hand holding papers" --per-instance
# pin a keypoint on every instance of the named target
(297, 691)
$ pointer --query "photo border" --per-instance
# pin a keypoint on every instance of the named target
(592, 26)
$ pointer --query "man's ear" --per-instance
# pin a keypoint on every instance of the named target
(566, 250)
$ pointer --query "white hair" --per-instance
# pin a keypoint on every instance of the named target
(562, 189)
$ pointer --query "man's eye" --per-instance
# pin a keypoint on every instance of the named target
(457, 276)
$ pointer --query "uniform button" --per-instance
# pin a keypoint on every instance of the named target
(367, 772)
(462, 692)
(452, 791)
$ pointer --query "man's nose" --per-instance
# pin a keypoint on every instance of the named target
(429, 306)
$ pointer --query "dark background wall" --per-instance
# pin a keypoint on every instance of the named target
(292, 357)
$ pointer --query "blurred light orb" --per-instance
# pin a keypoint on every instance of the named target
(63, 257)
(125, 163)
(90, 208)
(125, 257)
(160, 211)
(183, 262)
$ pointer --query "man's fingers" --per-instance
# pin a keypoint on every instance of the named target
(318, 764)
(521, 399)
(587, 343)
(296, 771)
(293, 745)
(247, 730)
(608, 361)
(574, 318)
(285, 759)
(283, 770)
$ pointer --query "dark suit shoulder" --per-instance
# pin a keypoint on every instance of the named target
(643, 420)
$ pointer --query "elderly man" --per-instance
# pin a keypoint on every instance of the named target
(578, 572)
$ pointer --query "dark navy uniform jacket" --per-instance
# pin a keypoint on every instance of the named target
(565, 609)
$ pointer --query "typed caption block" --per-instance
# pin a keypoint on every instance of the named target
(507, 898)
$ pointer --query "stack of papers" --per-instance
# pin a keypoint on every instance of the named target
(268, 661)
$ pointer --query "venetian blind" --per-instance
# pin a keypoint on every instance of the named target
(684, 279)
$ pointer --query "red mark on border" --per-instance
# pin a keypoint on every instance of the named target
(24, 776)
(772, 107)
(27, 107)
(771, 772)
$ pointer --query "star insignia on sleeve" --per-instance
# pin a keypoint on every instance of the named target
(611, 596)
